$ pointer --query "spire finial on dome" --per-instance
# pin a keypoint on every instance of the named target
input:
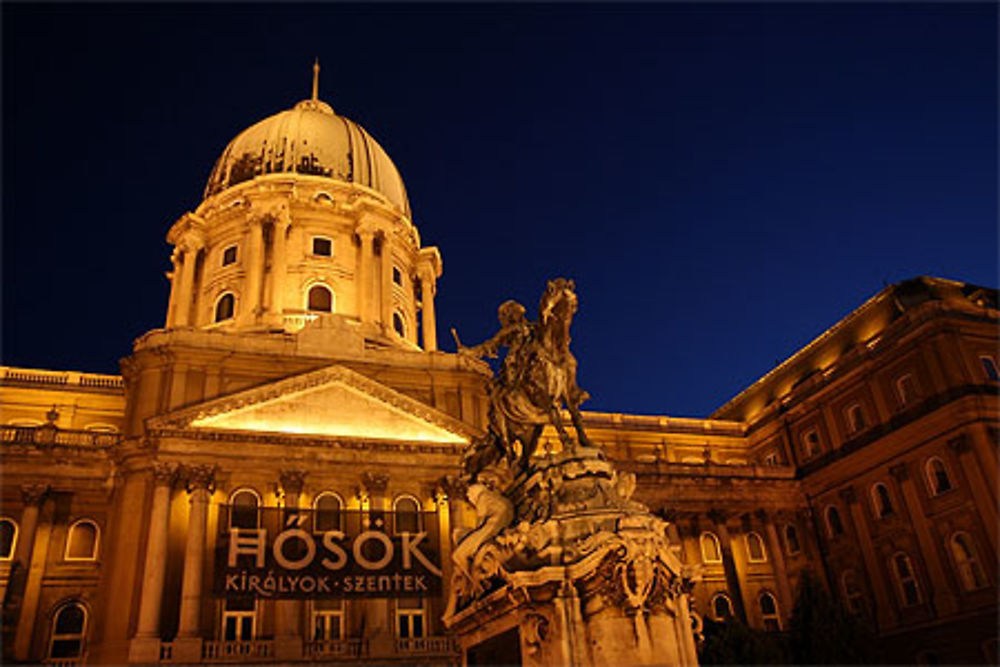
(315, 95)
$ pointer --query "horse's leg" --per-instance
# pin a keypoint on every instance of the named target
(574, 415)
(530, 445)
(564, 438)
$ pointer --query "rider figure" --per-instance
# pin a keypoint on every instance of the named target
(515, 333)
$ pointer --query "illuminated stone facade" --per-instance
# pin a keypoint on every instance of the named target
(299, 367)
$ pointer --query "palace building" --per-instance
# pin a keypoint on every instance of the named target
(269, 478)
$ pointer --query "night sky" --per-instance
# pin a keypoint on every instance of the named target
(723, 182)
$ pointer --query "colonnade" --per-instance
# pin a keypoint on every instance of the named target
(374, 283)
(289, 634)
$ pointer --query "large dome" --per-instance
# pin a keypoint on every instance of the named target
(309, 139)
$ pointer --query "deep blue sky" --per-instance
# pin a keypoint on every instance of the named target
(724, 182)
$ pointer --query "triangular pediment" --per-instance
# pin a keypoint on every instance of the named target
(330, 402)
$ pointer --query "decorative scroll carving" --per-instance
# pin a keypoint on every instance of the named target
(374, 483)
(164, 473)
(199, 477)
(960, 444)
(292, 481)
(34, 494)
(900, 471)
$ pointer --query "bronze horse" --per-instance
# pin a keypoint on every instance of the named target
(539, 378)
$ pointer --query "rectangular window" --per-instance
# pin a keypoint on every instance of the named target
(410, 618)
(328, 620)
(238, 620)
(229, 256)
(397, 276)
(322, 247)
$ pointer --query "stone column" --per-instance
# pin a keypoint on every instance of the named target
(33, 495)
(145, 647)
(884, 616)
(979, 489)
(429, 320)
(255, 270)
(365, 273)
(288, 613)
(279, 263)
(174, 276)
(200, 482)
(386, 281)
(942, 597)
(185, 300)
(24, 584)
(778, 562)
(378, 624)
(735, 574)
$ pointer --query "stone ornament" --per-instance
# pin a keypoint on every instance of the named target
(200, 477)
(559, 542)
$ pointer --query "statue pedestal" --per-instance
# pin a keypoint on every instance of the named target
(581, 576)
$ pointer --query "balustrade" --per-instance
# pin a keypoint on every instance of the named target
(336, 648)
(236, 651)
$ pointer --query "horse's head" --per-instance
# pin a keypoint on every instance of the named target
(559, 300)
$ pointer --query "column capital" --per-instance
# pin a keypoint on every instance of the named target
(374, 482)
(717, 516)
(34, 494)
(199, 477)
(292, 481)
(848, 495)
(900, 471)
(429, 263)
(164, 473)
(960, 444)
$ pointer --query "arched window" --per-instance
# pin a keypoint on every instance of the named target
(792, 540)
(710, 550)
(937, 476)
(855, 418)
(244, 509)
(906, 580)
(328, 512)
(970, 571)
(398, 324)
(810, 443)
(225, 307)
(989, 367)
(8, 538)
(769, 612)
(82, 540)
(881, 501)
(906, 390)
(407, 514)
(853, 597)
(69, 631)
(722, 607)
(320, 299)
(834, 526)
(755, 547)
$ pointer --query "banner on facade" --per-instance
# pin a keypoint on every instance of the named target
(276, 553)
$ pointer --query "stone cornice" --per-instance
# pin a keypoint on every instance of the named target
(290, 439)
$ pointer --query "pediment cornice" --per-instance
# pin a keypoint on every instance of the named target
(209, 414)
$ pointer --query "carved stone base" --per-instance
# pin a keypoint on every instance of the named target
(582, 573)
(549, 623)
